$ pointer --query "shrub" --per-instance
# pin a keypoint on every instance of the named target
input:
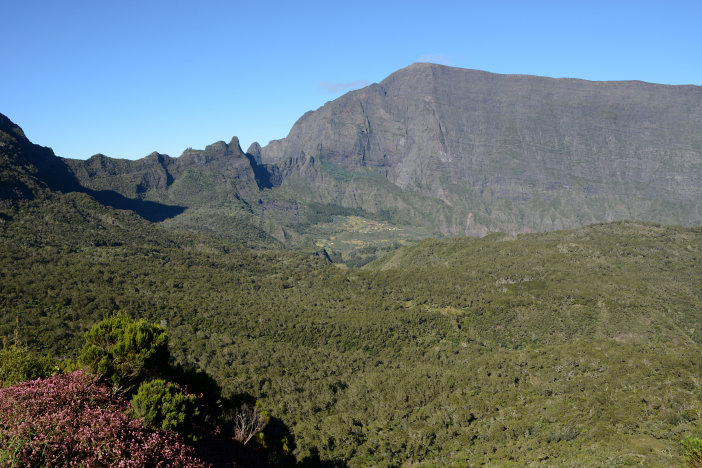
(164, 405)
(18, 363)
(67, 420)
(248, 422)
(693, 451)
(124, 352)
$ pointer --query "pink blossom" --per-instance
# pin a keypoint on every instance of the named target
(66, 420)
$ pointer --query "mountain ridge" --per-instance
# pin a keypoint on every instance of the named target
(439, 150)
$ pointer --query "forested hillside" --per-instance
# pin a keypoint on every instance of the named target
(569, 348)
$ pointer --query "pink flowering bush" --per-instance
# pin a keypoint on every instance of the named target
(66, 420)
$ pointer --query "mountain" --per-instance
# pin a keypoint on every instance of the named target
(431, 151)
(29, 171)
(26, 169)
(217, 185)
(435, 150)
(514, 153)
(43, 204)
(220, 192)
(221, 167)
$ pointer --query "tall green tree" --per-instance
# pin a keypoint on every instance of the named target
(124, 352)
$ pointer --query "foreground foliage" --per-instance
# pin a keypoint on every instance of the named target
(124, 352)
(693, 451)
(164, 405)
(18, 364)
(65, 419)
(165, 408)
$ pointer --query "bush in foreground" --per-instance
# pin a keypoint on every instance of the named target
(66, 419)
(164, 405)
(18, 364)
(693, 451)
(123, 352)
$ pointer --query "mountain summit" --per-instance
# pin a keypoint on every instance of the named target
(513, 152)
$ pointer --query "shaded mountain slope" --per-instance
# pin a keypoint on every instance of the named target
(28, 171)
(223, 168)
(213, 191)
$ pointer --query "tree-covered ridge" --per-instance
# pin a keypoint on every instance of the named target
(638, 277)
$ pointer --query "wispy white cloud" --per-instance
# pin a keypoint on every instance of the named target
(441, 59)
(339, 87)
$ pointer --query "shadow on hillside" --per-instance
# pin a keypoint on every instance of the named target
(58, 176)
(149, 210)
(221, 450)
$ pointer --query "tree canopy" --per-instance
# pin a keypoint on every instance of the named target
(122, 352)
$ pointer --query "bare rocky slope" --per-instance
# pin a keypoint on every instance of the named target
(508, 152)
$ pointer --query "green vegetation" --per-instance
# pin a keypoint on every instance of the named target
(569, 348)
(91, 423)
(566, 348)
(164, 405)
(693, 451)
(19, 364)
(123, 352)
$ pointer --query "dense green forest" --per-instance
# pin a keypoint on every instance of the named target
(568, 348)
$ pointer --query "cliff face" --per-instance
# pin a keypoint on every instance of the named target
(513, 150)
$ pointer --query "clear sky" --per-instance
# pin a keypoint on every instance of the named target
(125, 78)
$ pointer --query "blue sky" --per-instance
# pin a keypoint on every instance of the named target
(130, 77)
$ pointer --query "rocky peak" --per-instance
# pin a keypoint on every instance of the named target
(472, 138)
(9, 128)
(235, 146)
(254, 150)
(217, 148)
